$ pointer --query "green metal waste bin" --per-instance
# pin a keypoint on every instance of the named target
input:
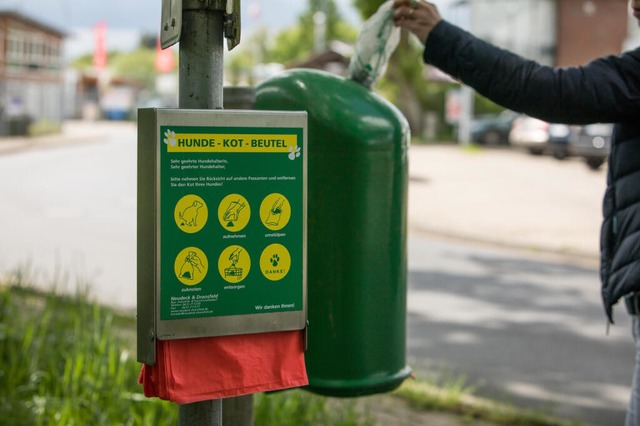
(357, 227)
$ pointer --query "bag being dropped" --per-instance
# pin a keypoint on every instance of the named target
(376, 42)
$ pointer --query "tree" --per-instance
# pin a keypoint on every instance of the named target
(367, 7)
(137, 66)
(148, 41)
(297, 43)
(290, 45)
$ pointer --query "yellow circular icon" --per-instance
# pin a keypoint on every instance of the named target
(234, 212)
(191, 213)
(234, 264)
(275, 211)
(190, 266)
(275, 262)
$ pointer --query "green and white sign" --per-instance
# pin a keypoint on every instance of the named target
(230, 215)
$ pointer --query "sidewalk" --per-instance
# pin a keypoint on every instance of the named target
(507, 198)
(72, 132)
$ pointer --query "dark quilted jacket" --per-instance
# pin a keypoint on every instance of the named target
(606, 90)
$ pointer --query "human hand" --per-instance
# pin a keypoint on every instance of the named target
(417, 16)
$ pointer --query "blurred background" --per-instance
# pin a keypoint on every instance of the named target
(89, 60)
(73, 74)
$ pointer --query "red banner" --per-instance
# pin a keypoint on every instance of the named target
(100, 51)
(165, 61)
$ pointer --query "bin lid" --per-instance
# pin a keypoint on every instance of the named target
(342, 113)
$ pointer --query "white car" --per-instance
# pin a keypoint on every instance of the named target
(534, 135)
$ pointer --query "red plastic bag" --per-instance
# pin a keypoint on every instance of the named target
(192, 370)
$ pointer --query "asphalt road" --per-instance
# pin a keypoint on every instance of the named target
(517, 328)
(503, 289)
(68, 216)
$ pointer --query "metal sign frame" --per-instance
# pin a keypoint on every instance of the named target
(171, 23)
(171, 19)
(224, 307)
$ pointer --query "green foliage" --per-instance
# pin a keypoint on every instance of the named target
(483, 105)
(289, 46)
(44, 127)
(297, 43)
(367, 7)
(456, 397)
(67, 361)
(148, 41)
(82, 63)
(137, 66)
(329, 8)
(297, 407)
(62, 363)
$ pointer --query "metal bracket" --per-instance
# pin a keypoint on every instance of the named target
(171, 23)
(232, 23)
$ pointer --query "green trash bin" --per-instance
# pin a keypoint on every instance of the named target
(357, 227)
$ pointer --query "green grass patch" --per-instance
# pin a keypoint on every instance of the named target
(457, 398)
(298, 407)
(472, 149)
(44, 127)
(65, 360)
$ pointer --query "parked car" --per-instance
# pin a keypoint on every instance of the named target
(560, 140)
(536, 135)
(593, 143)
(492, 129)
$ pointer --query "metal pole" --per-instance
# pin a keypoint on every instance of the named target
(202, 413)
(466, 113)
(201, 59)
(200, 87)
(238, 411)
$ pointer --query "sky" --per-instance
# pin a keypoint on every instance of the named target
(127, 19)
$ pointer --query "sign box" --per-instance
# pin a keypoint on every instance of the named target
(221, 224)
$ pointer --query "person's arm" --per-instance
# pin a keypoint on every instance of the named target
(605, 90)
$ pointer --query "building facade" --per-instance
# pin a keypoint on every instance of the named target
(588, 29)
(526, 27)
(552, 32)
(31, 73)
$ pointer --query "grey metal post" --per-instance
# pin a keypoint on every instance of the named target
(201, 59)
(200, 87)
(238, 411)
(202, 413)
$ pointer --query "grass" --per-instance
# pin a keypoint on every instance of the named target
(44, 127)
(65, 360)
(297, 407)
(456, 398)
